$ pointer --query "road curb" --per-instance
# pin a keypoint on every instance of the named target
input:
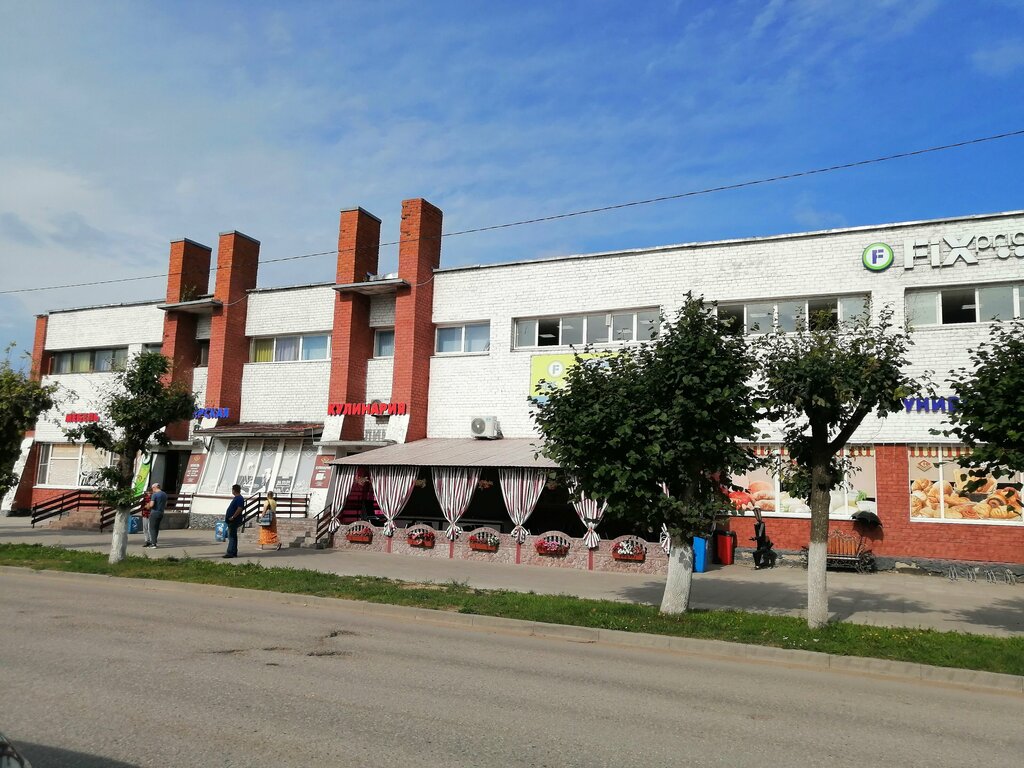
(882, 668)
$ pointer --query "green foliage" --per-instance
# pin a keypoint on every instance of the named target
(22, 400)
(133, 413)
(990, 416)
(821, 383)
(922, 646)
(671, 411)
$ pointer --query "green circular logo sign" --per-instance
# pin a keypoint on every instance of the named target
(877, 257)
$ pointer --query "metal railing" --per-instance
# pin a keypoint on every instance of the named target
(290, 506)
(323, 523)
(176, 502)
(67, 502)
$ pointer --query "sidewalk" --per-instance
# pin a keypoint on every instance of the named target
(882, 599)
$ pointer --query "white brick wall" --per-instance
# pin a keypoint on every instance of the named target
(382, 311)
(379, 373)
(78, 393)
(290, 310)
(279, 392)
(105, 327)
(768, 268)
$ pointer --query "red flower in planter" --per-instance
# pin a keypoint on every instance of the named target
(552, 547)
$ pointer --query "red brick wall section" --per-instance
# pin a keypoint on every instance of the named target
(352, 337)
(40, 357)
(419, 254)
(237, 265)
(24, 497)
(188, 277)
(899, 537)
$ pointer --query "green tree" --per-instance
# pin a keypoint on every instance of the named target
(656, 431)
(133, 413)
(22, 400)
(989, 418)
(821, 382)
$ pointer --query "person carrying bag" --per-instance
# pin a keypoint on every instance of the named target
(268, 523)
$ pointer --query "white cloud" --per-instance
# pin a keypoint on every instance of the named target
(1001, 59)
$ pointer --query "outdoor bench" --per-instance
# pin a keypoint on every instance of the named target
(846, 551)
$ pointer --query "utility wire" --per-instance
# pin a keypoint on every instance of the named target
(586, 211)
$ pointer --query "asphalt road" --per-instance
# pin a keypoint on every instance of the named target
(111, 672)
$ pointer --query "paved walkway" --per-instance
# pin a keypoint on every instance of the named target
(883, 599)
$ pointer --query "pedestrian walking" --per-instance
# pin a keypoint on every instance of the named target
(268, 523)
(158, 503)
(144, 507)
(233, 517)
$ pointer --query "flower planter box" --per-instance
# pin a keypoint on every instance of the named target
(549, 550)
(360, 538)
(634, 558)
(479, 546)
(420, 543)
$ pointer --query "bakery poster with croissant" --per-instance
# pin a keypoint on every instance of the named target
(938, 490)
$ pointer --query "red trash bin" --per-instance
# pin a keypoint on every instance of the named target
(725, 546)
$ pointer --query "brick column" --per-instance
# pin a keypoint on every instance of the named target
(352, 338)
(419, 254)
(237, 265)
(188, 277)
(40, 357)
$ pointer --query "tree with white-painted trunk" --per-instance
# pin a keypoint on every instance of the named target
(820, 382)
(133, 413)
(657, 429)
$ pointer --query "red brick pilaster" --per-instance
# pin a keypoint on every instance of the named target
(352, 338)
(237, 265)
(188, 277)
(419, 254)
(40, 357)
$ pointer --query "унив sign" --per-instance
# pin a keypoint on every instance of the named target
(931, 404)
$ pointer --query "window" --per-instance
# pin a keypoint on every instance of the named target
(285, 349)
(599, 328)
(157, 348)
(939, 492)
(89, 361)
(792, 314)
(202, 353)
(283, 465)
(384, 342)
(71, 465)
(955, 306)
(770, 492)
(470, 338)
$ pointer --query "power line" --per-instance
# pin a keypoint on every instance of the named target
(586, 211)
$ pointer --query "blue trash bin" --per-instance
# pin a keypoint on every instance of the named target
(700, 554)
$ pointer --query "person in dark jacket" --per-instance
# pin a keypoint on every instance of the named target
(158, 504)
(233, 517)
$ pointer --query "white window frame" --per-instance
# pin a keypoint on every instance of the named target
(805, 300)
(1018, 302)
(462, 337)
(376, 343)
(302, 342)
(116, 365)
(940, 462)
(584, 319)
(41, 462)
(279, 444)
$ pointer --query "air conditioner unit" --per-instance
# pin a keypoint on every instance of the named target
(485, 427)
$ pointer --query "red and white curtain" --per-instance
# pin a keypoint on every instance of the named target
(392, 487)
(454, 488)
(344, 479)
(521, 489)
(590, 512)
(665, 539)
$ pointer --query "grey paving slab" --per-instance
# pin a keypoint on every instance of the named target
(881, 599)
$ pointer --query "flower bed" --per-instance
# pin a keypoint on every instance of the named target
(360, 536)
(552, 547)
(484, 542)
(629, 550)
(423, 538)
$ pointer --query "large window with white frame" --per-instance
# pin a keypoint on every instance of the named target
(89, 360)
(282, 465)
(617, 327)
(964, 304)
(756, 317)
(469, 338)
(71, 465)
(284, 349)
(941, 490)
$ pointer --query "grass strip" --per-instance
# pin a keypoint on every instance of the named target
(921, 646)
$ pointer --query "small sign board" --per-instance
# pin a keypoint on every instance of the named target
(321, 471)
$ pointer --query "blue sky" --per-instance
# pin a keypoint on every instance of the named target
(126, 125)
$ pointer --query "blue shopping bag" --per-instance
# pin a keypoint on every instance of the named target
(134, 524)
(220, 531)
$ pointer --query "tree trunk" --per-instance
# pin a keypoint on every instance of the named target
(119, 538)
(817, 584)
(680, 575)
